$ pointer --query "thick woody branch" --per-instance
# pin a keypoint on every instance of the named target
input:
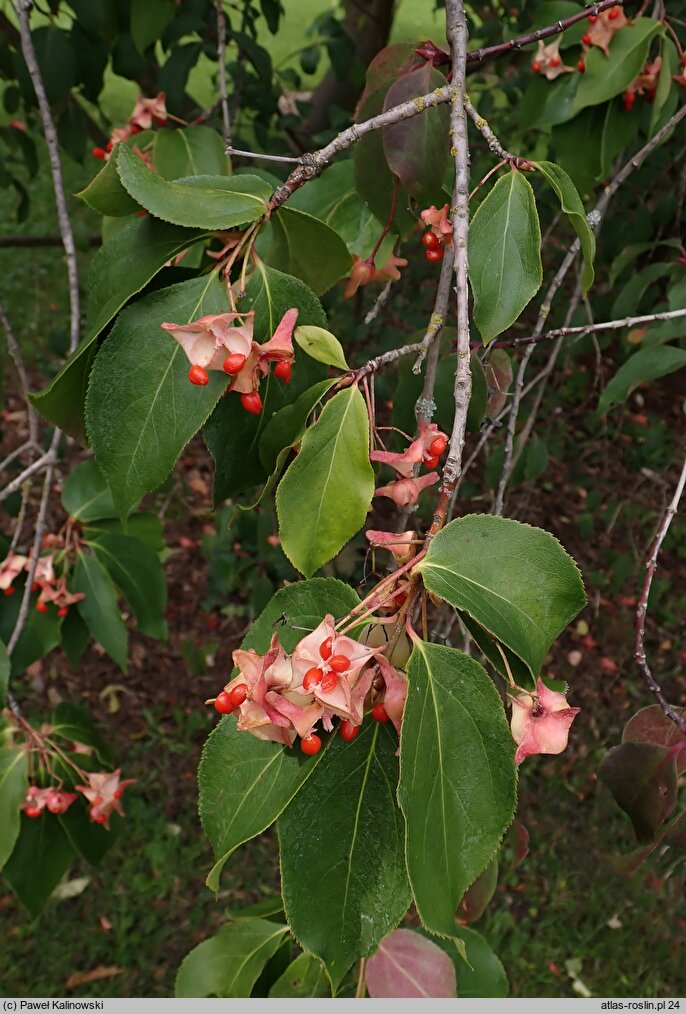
(22, 8)
(642, 608)
(584, 329)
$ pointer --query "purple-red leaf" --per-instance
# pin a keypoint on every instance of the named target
(474, 903)
(650, 725)
(408, 965)
(386, 66)
(642, 779)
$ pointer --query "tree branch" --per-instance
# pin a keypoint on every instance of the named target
(486, 131)
(221, 53)
(583, 329)
(440, 312)
(22, 8)
(47, 460)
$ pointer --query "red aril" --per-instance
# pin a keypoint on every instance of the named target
(198, 375)
(238, 695)
(234, 363)
(348, 731)
(329, 682)
(312, 679)
(252, 403)
(339, 663)
(223, 703)
(283, 371)
(378, 713)
(311, 744)
(326, 648)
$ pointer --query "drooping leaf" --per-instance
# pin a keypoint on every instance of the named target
(90, 840)
(229, 963)
(14, 781)
(86, 496)
(480, 972)
(498, 373)
(515, 580)
(408, 965)
(136, 570)
(106, 194)
(141, 409)
(418, 150)
(144, 525)
(73, 723)
(115, 276)
(270, 293)
(41, 857)
(607, 76)
(304, 977)
(148, 21)
(646, 364)
(330, 483)
(651, 725)
(286, 427)
(475, 901)
(642, 779)
(301, 245)
(321, 345)
(345, 813)
(194, 151)
(458, 779)
(505, 268)
(571, 205)
(99, 608)
(207, 202)
(40, 635)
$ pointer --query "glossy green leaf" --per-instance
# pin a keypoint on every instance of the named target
(41, 857)
(321, 345)
(141, 409)
(40, 635)
(116, 275)
(327, 837)
(90, 840)
(301, 245)
(193, 151)
(106, 194)
(646, 364)
(515, 580)
(458, 779)
(136, 570)
(548, 103)
(480, 972)
(331, 483)
(86, 496)
(74, 637)
(229, 963)
(270, 293)
(144, 525)
(4, 674)
(505, 268)
(571, 205)
(57, 60)
(14, 781)
(606, 76)
(286, 427)
(148, 21)
(99, 608)
(208, 202)
(418, 150)
(304, 977)
(264, 776)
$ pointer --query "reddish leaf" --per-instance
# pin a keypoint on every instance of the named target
(650, 725)
(474, 903)
(417, 150)
(675, 833)
(520, 843)
(408, 965)
(373, 178)
(642, 779)
(498, 372)
(386, 66)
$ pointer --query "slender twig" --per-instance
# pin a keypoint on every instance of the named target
(642, 608)
(584, 329)
(37, 542)
(484, 128)
(46, 460)
(221, 54)
(21, 517)
(15, 352)
(440, 312)
(261, 155)
(22, 8)
(360, 989)
(355, 376)
(379, 303)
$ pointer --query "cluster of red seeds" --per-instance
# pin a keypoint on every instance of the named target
(232, 365)
(436, 449)
(434, 248)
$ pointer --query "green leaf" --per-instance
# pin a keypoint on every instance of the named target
(40, 635)
(74, 637)
(73, 723)
(548, 103)
(137, 572)
(14, 781)
(86, 496)
(105, 193)
(141, 409)
(4, 674)
(571, 205)
(669, 67)
(480, 972)
(99, 609)
(515, 580)
(301, 245)
(270, 293)
(57, 61)
(304, 977)
(286, 427)
(331, 483)
(230, 962)
(91, 841)
(321, 345)
(193, 151)
(647, 364)
(144, 525)
(148, 21)
(265, 776)
(208, 202)
(606, 76)
(115, 276)
(505, 268)
(343, 815)
(458, 779)
(41, 857)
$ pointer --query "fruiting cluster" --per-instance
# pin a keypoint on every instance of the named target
(425, 450)
(540, 721)
(601, 28)
(644, 84)
(146, 112)
(280, 697)
(51, 587)
(103, 792)
(365, 271)
(440, 233)
(216, 342)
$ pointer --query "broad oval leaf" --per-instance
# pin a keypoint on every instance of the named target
(301, 245)
(458, 781)
(141, 409)
(286, 427)
(571, 205)
(304, 977)
(41, 857)
(646, 364)
(329, 485)
(607, 76)
(344, 815)
(209, 202)
(230, 962)
(408, 965)
(136, 570)
(99, 609)
(505, 268)
(193, 151)
(321, 345)
(106, 194)
(14, 780)
(480, 972)
(86, 496)
(516, 581)
(651, 725)
(642, 778)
